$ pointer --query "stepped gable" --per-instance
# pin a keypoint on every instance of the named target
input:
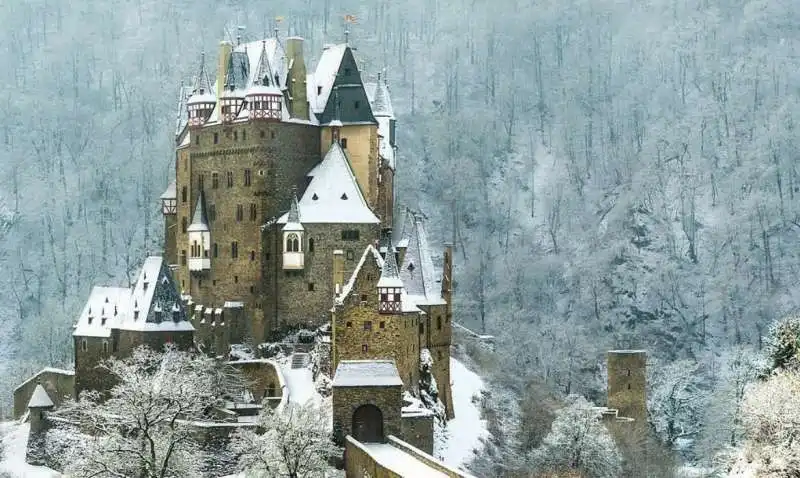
(417, 271)
(333, 195)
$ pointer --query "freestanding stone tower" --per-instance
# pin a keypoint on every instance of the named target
(627, 383)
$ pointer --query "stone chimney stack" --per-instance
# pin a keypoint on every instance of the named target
(225, 49)
(338, 271)
(296, 79)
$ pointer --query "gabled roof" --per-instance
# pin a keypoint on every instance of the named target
(276, 57)
(325, 75)
(367, 373)
(102, 311)
(156, 298)
(333, 195)
(40, 398)
(154, 295)
(199, 218)
(407, 303)
(417, 270)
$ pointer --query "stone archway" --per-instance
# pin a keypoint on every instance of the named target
(368, 424)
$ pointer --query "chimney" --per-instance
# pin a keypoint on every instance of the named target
(401, 252)
(338, 271)
(296, 79)
(225, 49)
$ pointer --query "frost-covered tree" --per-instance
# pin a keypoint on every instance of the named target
(142, 427)
(675, 400)
(578, 441)
(783, 343)
(771, 417)
(295, 442)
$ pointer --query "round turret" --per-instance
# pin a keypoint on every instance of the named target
(200, 105)
(230, 103)
(264, 102)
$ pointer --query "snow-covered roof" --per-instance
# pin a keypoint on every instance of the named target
(333, 195)
(102, 311)
(198, 98)
(171, 192)
(276, 58)
(382, 103)
(293, 217)
(59, 371)
(40, 398)
(390, 276)
(385, 149)
(367, 373)
(324, 76)
(234, 305)
(368, 251)
(199, 218)
(417, 270)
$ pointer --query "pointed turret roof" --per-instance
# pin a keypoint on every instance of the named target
(202, 82)
(199, 219)
(382, 104)
(293, 218)
(263, 75)
(390, 273)
(40, 398)
(333, 195)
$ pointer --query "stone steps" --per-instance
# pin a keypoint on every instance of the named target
(299, 360)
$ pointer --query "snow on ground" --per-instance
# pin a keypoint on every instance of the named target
(462, 435)
(15, 441)
(300, 382)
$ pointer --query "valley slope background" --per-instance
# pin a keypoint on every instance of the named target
(615, 174)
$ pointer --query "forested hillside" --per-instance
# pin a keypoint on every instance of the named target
(614, 174)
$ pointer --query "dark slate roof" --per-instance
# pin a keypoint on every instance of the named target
(353, 103)
(417, 271)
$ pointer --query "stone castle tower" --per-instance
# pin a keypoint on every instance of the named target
(253, 139)
(627, 383)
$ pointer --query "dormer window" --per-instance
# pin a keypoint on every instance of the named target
(319, 90)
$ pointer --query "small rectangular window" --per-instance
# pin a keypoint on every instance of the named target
(350, 235)
(214, 180)
(197, 140)
(234, 249)
(310, 286)
(183, 257)
(253, 212)
(343, 142)
(229, 176)
(184, 194)
(363, 297)
(244, 135)
(383, 324)
(364, 348)
(212, 212)
(252, 256)
(252, 289)
(319, 90)
(350, 255)
(235, 279)
(216, 138)
(215, 248)
(239, 213)
(200, 182)
(357, 104)
(367, 325)
(236, 136)
(349, 324)
(247, 177)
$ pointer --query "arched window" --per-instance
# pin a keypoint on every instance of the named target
(292, 243)
(310, 244)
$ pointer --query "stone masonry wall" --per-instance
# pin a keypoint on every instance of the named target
(277, 156)
(362, 151)
(627, 383)
(417, 430)
(438, 339)
(388, 336)
(347, 399)
(262, 378)
(58, 386)
(289, 298)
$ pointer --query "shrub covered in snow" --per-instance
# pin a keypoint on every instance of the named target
(783, 343)
(428, 389)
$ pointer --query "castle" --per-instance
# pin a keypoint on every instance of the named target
(281, 217)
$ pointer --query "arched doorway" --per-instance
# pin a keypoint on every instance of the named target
(368, 424)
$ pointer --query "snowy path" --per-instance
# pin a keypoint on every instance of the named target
(465, 431)
(15, 441)
(300, 383)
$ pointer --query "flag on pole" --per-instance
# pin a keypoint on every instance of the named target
(350, 18)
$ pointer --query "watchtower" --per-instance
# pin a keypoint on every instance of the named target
(627, 383)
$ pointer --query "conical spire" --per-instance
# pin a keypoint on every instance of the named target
(390, 273)
(263, 76)
(293, 218)
(199, 219)
(202, 83)
(382, 105)
(294, 209)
